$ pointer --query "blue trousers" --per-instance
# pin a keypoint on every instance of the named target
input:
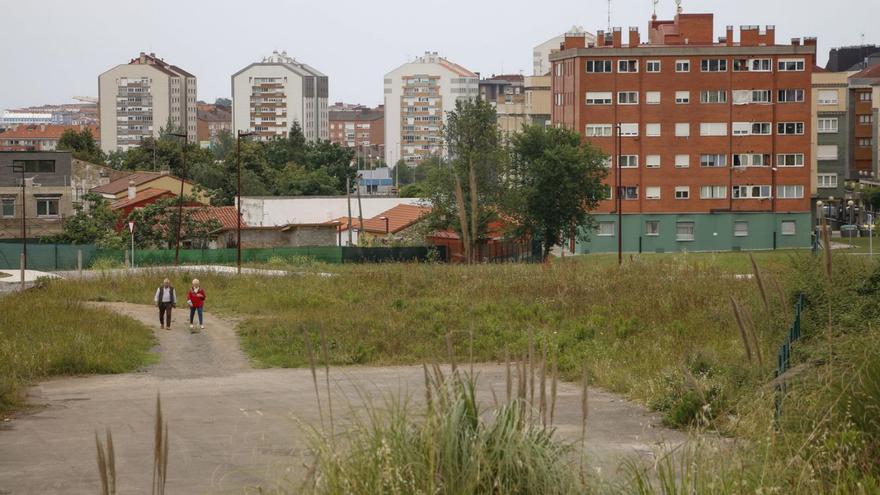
(192, 313)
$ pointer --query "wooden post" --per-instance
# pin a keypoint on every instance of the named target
(79, 262)
(22, 262)
(127, 259)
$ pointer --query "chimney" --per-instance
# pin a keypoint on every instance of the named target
(729, 37)
(600, 38)
(634, 38)
(132, 190)
(616, 38)
(811, 41)
(770, 35)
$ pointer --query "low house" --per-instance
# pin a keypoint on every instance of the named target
(48, 196)
(493, 247)
(395, 225)
(293, 235)
(274, 211)
(119, 188)
(135, 200)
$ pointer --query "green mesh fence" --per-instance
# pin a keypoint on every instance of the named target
(159, 257)
(44, 257)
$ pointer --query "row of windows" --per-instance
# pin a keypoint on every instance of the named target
(740, 97)
(717, 192)
(716, 160)
(46, 207)
(597, 66)
(707, 129)
(684, 230)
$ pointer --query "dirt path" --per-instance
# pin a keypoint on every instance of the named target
(232, 427)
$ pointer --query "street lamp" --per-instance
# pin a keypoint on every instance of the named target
(19, 168)
(238, 197)
(820, 205)
(849, 206)
(180, 199)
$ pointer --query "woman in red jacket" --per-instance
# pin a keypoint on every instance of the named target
(196, 300)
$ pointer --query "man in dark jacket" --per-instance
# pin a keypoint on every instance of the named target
(165, 299)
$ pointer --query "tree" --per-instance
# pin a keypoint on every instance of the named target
(403, 173)
(157, 224)
(95, 226)
(83, 146)
(223, 102)
(476, 155)
(296, 180)
(336, 160)
(555, 181)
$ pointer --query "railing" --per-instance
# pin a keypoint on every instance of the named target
(784, 355)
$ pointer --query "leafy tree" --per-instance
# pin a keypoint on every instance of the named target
(417, 190)
(555, 180)
(223, 102)
(224, 144)
(83, 146)
(296, 180)
(96, 225)
(156, 225)
(474, 143)
(403, 173)
(335, 159)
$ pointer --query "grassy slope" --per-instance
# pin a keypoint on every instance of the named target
(46, 332)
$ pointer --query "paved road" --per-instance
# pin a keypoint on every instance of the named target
(233, 427)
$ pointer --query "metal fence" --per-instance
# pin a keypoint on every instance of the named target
(784, 356)
(45, 257)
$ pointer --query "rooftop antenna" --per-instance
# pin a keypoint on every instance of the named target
(609, 16)
(678, 8)
(654, 16)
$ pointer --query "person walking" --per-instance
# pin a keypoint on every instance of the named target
(165, 299)
(196, 301)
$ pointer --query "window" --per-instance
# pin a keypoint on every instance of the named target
(598, 66)
(751, 128)
(628, 98)
(751, 160)
(713, 160)
(684, 231)
(36, 166)
(866, 142)
(598, 98)
(790, 160)
(740, 229)
(7, 207)
(827, 180)
(719, 96)
(558, 69)
(682, 66)
(682, 161)
(652, 192)
(866, 119)
(606, 229)
(682, 129)
(652, 161)
(740, 65)
(652, 66)
(598, 130)
(629, 192)
(791, 64)
(652, 97)
(682, 97)
(713, 192)
(629, 130)
(713, 129)
(652, 228)
(827, 97)
(627, 66)
(789, 192)
(789, 227)
(652, 130)
(682, 192)
(713, 65)
(629, 161)
(826, 152)
(827, 126)
(753, 65)
(865, 96)
(47, 207)
(751, 192)
(790, 128)
(747, 96)
(790, 96)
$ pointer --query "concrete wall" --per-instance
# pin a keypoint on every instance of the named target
(277, 211)
(299, 236)
(712, 232)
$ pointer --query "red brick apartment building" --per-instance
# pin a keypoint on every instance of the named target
(715, 134)
(358, 127)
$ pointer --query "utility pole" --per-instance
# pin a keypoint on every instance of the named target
(20, 168)
(360, 210)
(180, 201)
(618, 178)
(348, 198)
(238, 198)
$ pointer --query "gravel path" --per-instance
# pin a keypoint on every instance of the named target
(232, 427)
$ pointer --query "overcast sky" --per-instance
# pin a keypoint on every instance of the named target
(55, 49)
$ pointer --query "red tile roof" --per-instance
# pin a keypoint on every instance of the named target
(342, 223)
(45, 131)
(145, 195)
(399, 218)
(119, 185)
(226, 215)
(868, 72)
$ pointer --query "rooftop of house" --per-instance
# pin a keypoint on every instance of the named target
(160, 64)
(45, 131)
(142, 196)
(399, 218)
(225, 215)
(362, 114)
(213, 113)
(120, 185)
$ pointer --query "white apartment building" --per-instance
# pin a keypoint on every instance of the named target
(541, 53)
(269, 96)
(137, 99)
(417, 96)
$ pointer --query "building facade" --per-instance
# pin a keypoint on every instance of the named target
(712, 137)
(269, 96)
(863, 111)
(359, 127)
(211, 120)
(541, 54)
(538, 100)
(39, 137)
(48, 193)
(831, 134)
(417, 96)
(138, 99)
(507, 94)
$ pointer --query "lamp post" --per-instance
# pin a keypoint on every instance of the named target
(849, 206)
(820, 205)
(617, 180)
(19, 168)
(180, 200)
(238, 198)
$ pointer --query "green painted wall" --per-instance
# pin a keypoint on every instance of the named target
(712, 232)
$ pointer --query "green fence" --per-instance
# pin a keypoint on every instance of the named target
(44, 257)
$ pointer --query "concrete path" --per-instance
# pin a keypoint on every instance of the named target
(232, 427)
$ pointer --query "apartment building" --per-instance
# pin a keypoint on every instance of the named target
(138, 99)
(211, 120)
(538, 99)
(712, 137)
(42, 137)
(541, 53)
(831, 135)
(417, 96)
(507, 94)
(48, 198)
(270, 95)
(863, 106)
(357, 126)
